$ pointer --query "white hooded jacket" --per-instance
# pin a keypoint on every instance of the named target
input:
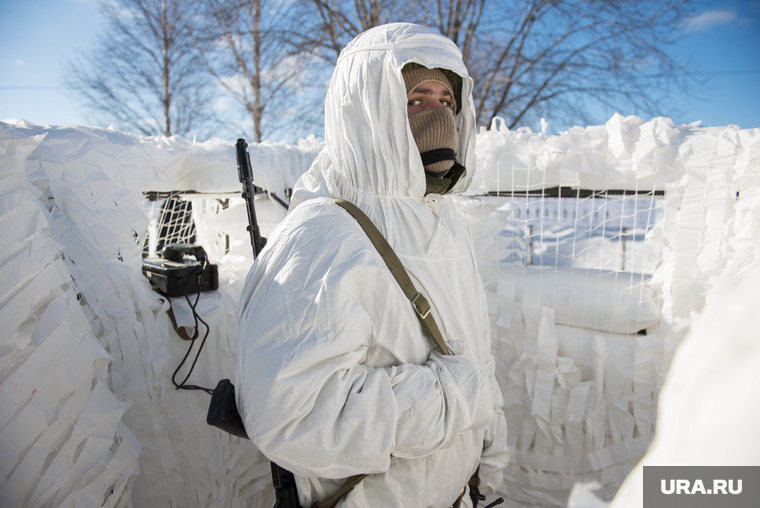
(335, 376)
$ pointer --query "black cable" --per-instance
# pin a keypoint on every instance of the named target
(197, 318)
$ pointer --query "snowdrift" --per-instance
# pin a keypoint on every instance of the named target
(88, 412)
(710, 395)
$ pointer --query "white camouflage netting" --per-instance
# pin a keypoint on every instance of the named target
(88, 413)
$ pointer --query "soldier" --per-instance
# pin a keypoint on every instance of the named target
(336, 376)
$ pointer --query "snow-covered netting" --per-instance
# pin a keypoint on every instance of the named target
(710, 395)
(89, 413)
(583, 347)
(589, 294)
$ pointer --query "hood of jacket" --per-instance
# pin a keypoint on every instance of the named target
(369, 148)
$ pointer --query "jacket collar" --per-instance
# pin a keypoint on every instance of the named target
(443, 185)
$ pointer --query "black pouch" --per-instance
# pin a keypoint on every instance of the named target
(223, 412)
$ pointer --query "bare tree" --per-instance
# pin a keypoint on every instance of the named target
(328, 25)
(554, 58)
(459, 20)
(145, 75)
(529, 58)
(533, 58)
(246, 45)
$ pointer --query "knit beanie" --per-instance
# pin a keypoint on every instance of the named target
(414, 75)
(435, 133)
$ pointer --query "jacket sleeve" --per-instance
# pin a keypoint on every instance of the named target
(308, 399)
(495, 456)
(437, 402)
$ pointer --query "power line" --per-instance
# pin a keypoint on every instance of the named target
(724, 73)
(711, 73)
(31, 88)
(702, 73)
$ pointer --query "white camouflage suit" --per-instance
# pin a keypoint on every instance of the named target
(335, 376)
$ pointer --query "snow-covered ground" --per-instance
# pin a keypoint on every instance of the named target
(589, 300)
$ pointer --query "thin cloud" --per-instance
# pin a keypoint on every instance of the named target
(20, 62)
(709, 19)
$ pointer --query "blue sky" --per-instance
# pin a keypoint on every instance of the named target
(37, 37)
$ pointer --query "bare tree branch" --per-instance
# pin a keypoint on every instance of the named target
(528, 58)
(247, 48)
(532, 58)
(144, 76)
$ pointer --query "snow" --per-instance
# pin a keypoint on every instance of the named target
(88, 414)
(710, 397)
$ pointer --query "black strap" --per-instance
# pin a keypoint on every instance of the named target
(438, 155)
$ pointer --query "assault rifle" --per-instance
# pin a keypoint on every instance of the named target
(223, 412)
(245, 175)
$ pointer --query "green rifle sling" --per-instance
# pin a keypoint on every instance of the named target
(331, 501)
(419, 302)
